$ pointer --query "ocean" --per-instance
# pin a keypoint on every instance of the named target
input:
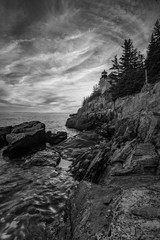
(31, 198)
(53, 121)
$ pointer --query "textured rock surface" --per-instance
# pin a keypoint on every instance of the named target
(46, 157)
(78, 145)
(24, 138)
(102, 110)
(124, 203)
(126, 209)
(142, 159)
(3, 132)
(55, 138)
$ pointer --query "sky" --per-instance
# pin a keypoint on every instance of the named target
(52, 52)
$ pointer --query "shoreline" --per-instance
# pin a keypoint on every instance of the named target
(118, 194)
(117, 166)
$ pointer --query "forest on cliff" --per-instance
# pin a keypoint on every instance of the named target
(130, 71)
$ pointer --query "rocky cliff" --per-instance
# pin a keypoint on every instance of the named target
(119, 192)
(101, 109)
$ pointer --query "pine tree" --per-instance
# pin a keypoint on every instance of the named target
(115, 66)
(114, 75)
(153, 55)
(130, 77)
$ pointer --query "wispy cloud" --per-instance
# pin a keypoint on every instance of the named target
(52, 52)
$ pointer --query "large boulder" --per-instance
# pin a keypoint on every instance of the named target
(89, 120)
(27, 127)
(71, 121)
(3, 132)
(80, 123)
(24, 138)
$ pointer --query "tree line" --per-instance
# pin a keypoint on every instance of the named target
(128, 71)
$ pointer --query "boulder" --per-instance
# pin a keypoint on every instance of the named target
(71, 121)
(2, 141)
(25, 138)
(55, 138)
(80, 123)
(27, 127)
(3, 132)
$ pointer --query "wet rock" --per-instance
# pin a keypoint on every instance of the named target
(55, 138)
(45, 157)
(24, 138)
(82, 150)
(123, 210)
(82, 140)
(71, 121)
(90, 211)
(27, 127)
(80, 124)
(77, 152)
(91, 164)
(2, 141)
(128, 161)
(3, 132)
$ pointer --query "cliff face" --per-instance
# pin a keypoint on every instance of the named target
(119, 192)
(147, 100)
(102, 109)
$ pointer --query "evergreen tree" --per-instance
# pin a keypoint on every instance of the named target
(114, 75)
(130, 77)
(115, 66)
(153, 55)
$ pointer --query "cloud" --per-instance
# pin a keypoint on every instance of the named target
(52, 52)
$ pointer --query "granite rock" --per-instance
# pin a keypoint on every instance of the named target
(24, 138)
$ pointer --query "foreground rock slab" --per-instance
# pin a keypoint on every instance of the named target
(46, 157)
(114, 212)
